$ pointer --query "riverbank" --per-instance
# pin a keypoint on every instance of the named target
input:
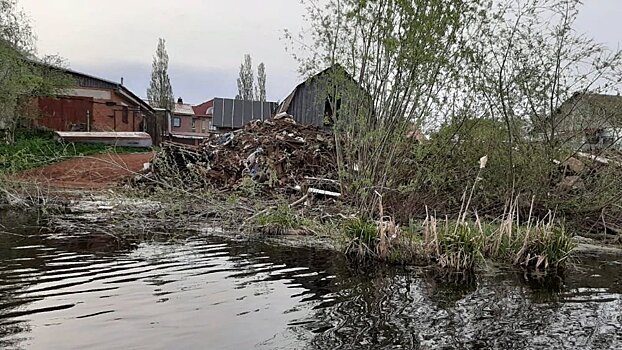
(127, 216)
(277, 178)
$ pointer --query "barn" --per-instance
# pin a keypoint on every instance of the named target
(321, 98)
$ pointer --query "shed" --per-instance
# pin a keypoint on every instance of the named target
(312, 101)
(590, 120)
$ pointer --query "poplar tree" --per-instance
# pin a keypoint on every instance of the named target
(246, 80)
(160, 91)
(261, 83)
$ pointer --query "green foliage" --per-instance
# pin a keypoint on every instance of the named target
(34, 148)
(544, 246)
(277, 221)
(248, 89)
(400, 55)
(460, 245)
(361, 238)
(448, 162)
(23, 74)
(160, 91)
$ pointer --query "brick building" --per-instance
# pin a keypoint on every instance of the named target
(93, 104)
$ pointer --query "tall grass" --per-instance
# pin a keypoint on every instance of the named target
(465, 242)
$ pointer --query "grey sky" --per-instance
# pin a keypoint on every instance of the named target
(206, 39)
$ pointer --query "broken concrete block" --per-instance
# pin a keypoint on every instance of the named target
(572, 183)
(574, 164)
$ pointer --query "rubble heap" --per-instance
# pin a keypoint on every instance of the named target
(277, 153)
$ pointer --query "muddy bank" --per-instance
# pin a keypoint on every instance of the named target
(133, 219)
(94, 172)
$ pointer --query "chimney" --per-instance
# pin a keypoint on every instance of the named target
(180, 100)
(121, 81)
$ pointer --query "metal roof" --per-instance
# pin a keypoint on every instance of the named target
(87, 80)
(183, 109)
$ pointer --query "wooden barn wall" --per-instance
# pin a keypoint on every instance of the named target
(306, 107)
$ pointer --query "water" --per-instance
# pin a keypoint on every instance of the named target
(66, 292)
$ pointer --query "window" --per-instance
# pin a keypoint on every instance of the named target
(176, 122)
(194, 124)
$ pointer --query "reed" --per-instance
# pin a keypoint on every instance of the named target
(466, 242)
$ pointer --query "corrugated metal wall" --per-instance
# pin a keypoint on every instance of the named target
(307, 107)
(229, 113)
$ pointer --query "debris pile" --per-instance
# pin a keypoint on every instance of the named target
(277, 153)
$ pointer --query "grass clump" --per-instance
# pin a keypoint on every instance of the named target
(278, 220)
(457, 245)
(461, 244)
(362, 238)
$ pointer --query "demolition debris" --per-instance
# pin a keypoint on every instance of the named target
(276, 154)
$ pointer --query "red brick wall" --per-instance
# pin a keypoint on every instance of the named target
(201, 110)
(61, 112)
(110, 118)
(186, 123)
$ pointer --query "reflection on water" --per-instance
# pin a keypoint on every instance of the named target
(59, 292)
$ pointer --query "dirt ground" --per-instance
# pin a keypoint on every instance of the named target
(94, 172)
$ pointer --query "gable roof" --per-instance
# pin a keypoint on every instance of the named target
(91, 81)
(201, 109)
(284, 106)
(183, 109)
(592, 110)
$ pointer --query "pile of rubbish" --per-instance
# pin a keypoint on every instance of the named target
(277, 153)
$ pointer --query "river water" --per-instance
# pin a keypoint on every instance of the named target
(62, 291)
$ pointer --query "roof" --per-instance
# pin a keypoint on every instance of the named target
(594, 108)
(190, 135)
(87, 80)
(201, 109)
(288, 100)
(183, 109)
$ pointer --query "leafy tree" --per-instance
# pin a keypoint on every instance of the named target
(527, 61)
(246, 86)
(160, 91)
(247, 90)
(23, 75)
(404, 54)
(505, 66)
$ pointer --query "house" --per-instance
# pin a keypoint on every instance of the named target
(93, 104)
(230, 114)
(589, 121)
(183, 118)
(187, 126)
(205, 112)
(319, 99)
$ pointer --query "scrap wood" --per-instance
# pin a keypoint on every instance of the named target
(276, 154)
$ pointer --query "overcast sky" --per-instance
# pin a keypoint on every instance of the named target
(206, 39)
